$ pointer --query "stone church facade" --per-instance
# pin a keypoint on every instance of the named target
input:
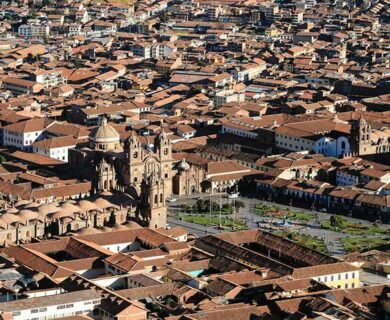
(366, 140)
(144, 173)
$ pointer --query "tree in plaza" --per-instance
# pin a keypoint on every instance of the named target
(240, 204)
(337, 221)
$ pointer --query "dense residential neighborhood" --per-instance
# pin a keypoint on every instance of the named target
(195, 160)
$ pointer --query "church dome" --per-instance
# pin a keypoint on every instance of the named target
(28, 215)
(183, 165)
(12, 210)
(104, 137)
(70, 207)
(87, 231)
(48, 208)
(132, 225)
(86, 205)
(8, 218)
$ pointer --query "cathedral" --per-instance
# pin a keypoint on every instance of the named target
(145, 173)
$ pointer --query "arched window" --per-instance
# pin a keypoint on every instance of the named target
(343, 145)
(155, 199)
(161, 198)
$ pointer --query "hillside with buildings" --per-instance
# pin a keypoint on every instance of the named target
(194, 160)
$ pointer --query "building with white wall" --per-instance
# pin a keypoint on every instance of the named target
(33, 30)
(23, 134)
(227, 96)
(319, 136)
(83, 302)
(49, 78)
(56, 148)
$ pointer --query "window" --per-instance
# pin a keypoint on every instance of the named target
(339, 277)
(34, 310)
(346, 276)
(42, 309)
(88, 302)
(331, 278)
(353, 285)
(69, 305)
(16, 313)
(61, 307)
(346, 286)
(353, 275)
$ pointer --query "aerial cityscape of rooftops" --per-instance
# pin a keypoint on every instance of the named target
(195, 159)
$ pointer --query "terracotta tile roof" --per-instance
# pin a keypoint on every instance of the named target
(225, 167)
(35, 158)
(323, 269)
(56, 142)
(61, 191)
(68, 129)
(37, 261)
(236, 311)
(20, 82)
(156, 291)
(32, 125)
(57, 299)
(373, 199)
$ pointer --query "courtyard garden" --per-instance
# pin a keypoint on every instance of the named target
(340, 224)
(274, 211)
(305, 240)
(360, 243)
